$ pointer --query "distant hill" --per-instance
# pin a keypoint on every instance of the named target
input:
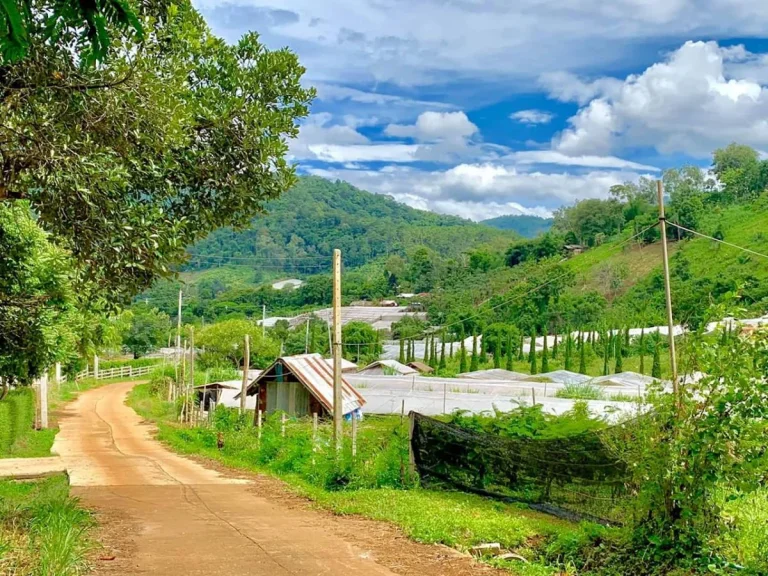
(528, 226)
(302, 227)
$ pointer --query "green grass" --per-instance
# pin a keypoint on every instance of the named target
(583, 391)
(42, 530)
(746, 543)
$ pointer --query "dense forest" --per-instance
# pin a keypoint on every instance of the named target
(298, 233)
(526, 226)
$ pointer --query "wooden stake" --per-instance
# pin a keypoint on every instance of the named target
(354, 435)
(668, 292)
(191, 385)
(314, 429)
(402, 412)
(246, 367)
(282, 425)
(533, 395)
(411, 458)
(445, 395)
(258, 423)
(337, 351)
(43, 388)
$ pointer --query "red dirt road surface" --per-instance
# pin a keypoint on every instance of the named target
(164, 514)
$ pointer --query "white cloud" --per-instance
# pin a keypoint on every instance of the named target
(568, 87)
(691, 103)
(416, 43)
(480, 191)
(318, 130)
(558, 158)
(434, 127)
(532, 116)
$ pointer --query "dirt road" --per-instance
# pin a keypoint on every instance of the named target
(164, 514)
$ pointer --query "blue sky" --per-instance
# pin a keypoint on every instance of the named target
(486, 107)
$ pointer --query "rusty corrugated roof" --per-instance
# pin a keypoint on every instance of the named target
(316, 374)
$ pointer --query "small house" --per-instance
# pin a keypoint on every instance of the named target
(213, 392)
(302, 385)
(421, 367)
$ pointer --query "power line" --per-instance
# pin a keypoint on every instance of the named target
(718, 240)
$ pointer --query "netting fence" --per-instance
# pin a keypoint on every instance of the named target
(579, 477)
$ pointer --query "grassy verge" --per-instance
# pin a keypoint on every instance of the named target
(42, 530)
(18, 437)
(373, 485)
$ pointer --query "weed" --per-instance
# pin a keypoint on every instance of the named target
(582, 391)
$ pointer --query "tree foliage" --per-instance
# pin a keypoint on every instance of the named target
(129, 162)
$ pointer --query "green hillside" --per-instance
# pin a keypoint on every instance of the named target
(526, 226)
(301, 229)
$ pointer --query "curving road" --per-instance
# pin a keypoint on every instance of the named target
(174, 516)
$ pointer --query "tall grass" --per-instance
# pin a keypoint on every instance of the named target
(42, 530)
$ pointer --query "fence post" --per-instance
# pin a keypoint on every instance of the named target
(533, 395)
(282, 425)
(258, 423)
(354, 435)
(445, 395)
(95, 367)
(411, 458)
(58, 374)
(314, 430)
(43, 389)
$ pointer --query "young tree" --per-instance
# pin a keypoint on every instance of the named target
(462, 355)
(360, 340)
(510, 352)
(568, 362)
(442, 364)
(147, 330)
(555, 346)
(426, 349)
(606, 351)
(520, 352)
(225, 342)
(497, 352)
(401, 357)
(532, 346)
(484, 343)
(534, 369)
(642, 351)
(433, 353)
(619, 354)
(582, 355)
(656, 368)
(545, 355)
(473, 363)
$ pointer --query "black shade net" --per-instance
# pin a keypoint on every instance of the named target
(578, 477)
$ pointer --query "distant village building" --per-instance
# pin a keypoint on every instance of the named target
(291, 284)
(300, 386)
(574, 249)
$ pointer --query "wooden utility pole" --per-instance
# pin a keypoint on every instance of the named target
(263, 320)
(246, 367)
(178, 326)
(337, 349)
(668, 291)
(306, 338)
(191, 371)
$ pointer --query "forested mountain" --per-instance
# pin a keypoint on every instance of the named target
(527, 226)
(318, 215)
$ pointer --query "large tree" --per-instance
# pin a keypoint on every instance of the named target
(128, 162)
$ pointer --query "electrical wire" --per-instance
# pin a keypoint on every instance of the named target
(718, 240)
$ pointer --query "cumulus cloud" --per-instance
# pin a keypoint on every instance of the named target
(480, 191)
(532, 117)
(318, 130)
(434, 127)
(691, 103)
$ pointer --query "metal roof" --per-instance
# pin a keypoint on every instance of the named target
(392, 365)
(228, 385)
(314, 372)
